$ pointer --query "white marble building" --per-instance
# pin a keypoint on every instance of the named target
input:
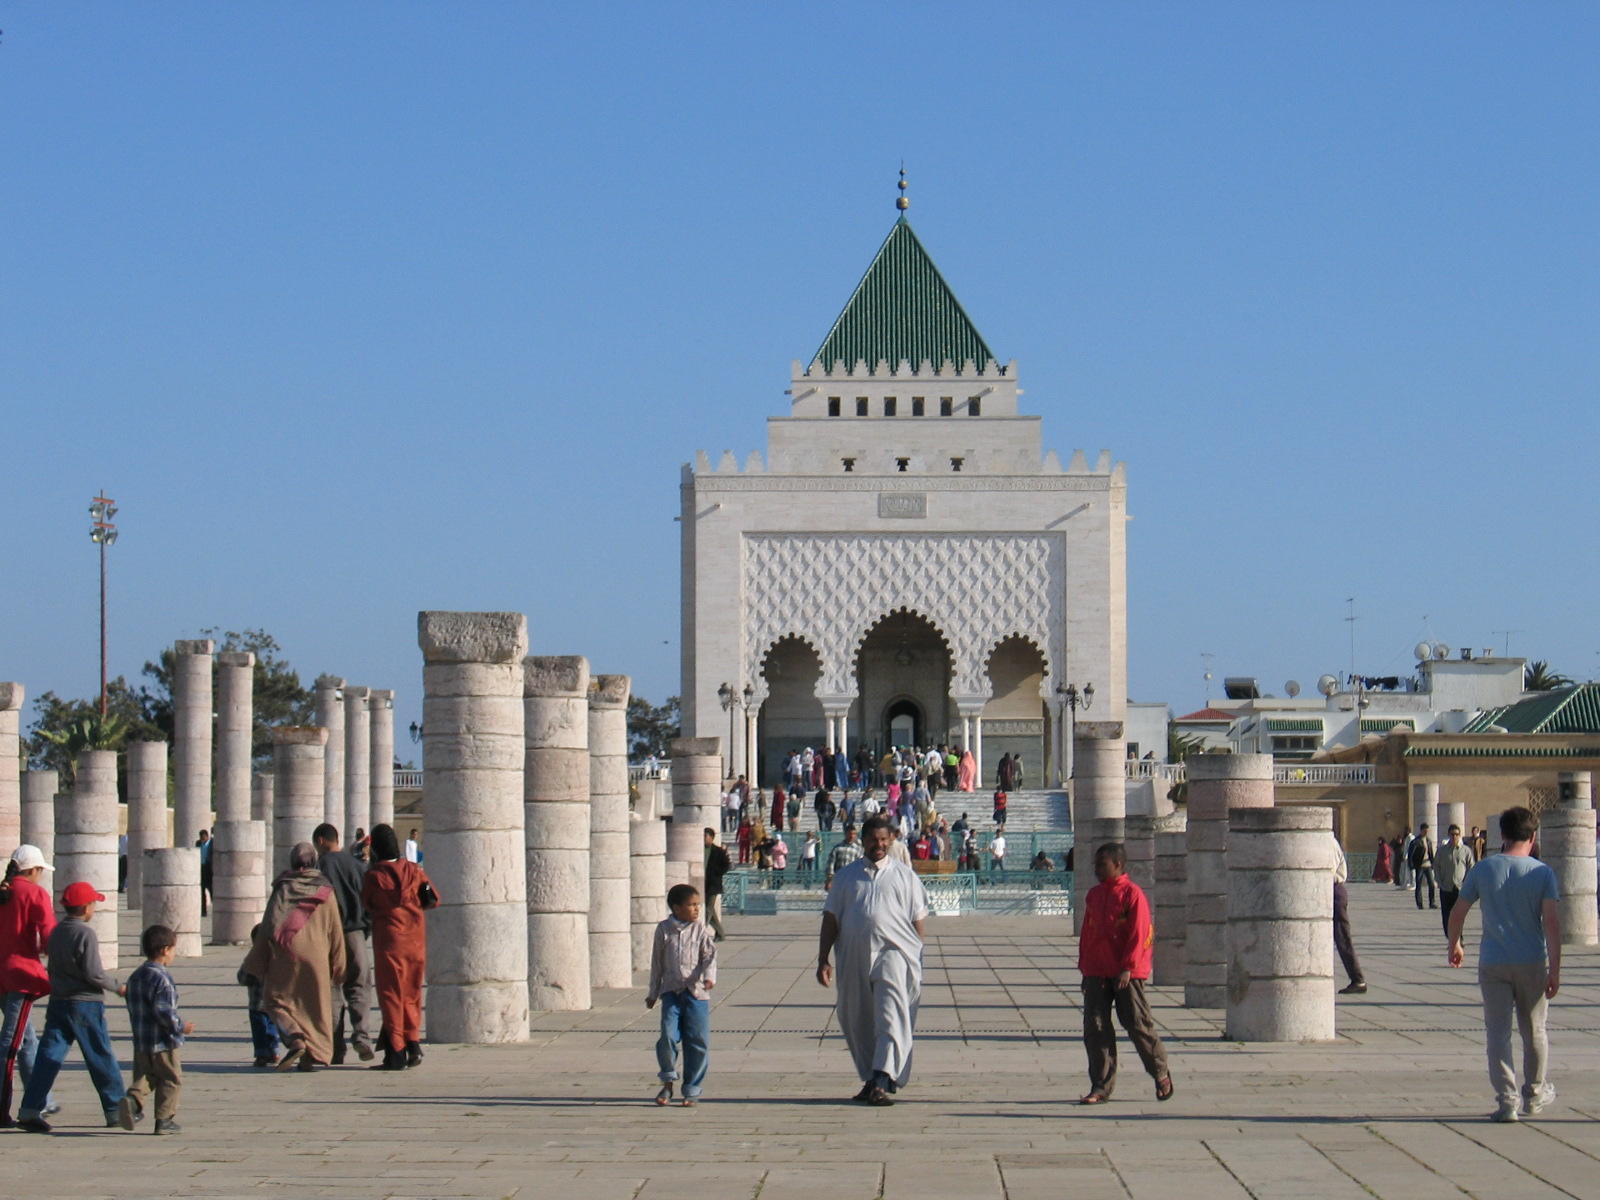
(906, 563)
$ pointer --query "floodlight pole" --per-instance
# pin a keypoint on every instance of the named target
(102, 533)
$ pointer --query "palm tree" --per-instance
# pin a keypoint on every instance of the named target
(88, 732)
(1538, 677)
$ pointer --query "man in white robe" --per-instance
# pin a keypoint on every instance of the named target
(875, 913)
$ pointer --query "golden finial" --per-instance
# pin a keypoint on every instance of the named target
(900, 201)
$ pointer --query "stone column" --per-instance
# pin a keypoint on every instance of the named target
(330, 715)
(556, 815)
(172, 894)
(11, 698)
(752, 766)
(647, 869)
(261, 801)
(1170, 904)
(1217, 784)
(298, 780)
(380, 770)
(1280, 921)
(357, 763)
(696, 803)
(39, 790)
(191, 743)
(235, 724)
(147, 809)
(86, 843)
(239, 881)
(472, 757)
(1139, 840)
(1566, 845)
(1424, 808)
(1575, 789)
(1099, 805)
(610, 946)
(1449, 812)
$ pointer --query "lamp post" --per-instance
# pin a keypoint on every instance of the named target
(103, 533)
(1074, 699)
(730, 700)
(416, 731)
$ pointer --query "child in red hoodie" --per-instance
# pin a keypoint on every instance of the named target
(1114, 956)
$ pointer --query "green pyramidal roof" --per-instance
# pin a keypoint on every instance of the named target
(1563, 710)
(902, 310)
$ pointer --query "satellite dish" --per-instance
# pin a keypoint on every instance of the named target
(1292, 688)
(1327, 685)
(1440, 650)
(1423, 651)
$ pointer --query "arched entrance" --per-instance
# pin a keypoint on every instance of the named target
(902, 678)
(1014, 719)
(791, 717)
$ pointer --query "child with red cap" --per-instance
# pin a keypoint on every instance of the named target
(76, 1013)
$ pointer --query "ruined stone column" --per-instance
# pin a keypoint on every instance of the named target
(1566, 846)
(357, 763)
(330, 715)
(556, 812)
(239, 881)
(472, 757)
(11, 698)
(1170, 904)
(1449, 812)
(235, 725)
(261, 801)
(86, 843)
(696, 803)
(647, 873)
(1217, 783)
(147, 810)
(1139, 840)
(1575, 789)
(1280, 921)
(39, 790)
(191, 742)
(1424, 809)
(298, 780)
(171, 894)
(610, 945)
(1099, 801)
(380, 769)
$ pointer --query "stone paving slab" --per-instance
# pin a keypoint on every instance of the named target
(1394, 1108)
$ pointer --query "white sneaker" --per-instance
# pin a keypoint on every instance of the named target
(1540, 1100)
(1506, 1114)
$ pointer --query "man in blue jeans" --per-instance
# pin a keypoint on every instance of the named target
(76, 1013)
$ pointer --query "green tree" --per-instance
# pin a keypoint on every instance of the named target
(1538, 677)
(62, 729)
(651, 727)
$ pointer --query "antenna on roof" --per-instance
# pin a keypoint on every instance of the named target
(900, 201)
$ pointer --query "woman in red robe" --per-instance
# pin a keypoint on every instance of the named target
(395, 894)
(1383, 869)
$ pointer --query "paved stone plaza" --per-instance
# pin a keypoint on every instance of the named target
(1395, 1108)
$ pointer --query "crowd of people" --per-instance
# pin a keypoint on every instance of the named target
(337, 927)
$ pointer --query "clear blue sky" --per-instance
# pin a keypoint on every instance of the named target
(358, 309)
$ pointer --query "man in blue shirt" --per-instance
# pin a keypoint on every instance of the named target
(1519, 960)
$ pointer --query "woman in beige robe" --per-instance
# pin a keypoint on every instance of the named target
(299, 955)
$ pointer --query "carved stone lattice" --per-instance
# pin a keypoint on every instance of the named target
(831, 589)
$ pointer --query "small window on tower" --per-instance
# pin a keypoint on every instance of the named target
(861, 406)
(833, 406)
(947, 405)
(974, 406)
(888, 406)
(849, 465)
(918, 406)
(902, 463)
(956, 463)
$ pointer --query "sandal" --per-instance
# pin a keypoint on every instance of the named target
(664, 1095)
(1093, 1098)
(1164, 1088)
(880, 1098)
(687, 1102)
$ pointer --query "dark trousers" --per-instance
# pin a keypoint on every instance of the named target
(1100, 996)
(263, 1035)
(1425, 875)
(1447, 901)
(1342, 941)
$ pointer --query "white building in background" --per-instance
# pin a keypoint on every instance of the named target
(906, 564)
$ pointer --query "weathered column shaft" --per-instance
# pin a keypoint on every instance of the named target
(1217, 784)
(1099, 801)
(147, 809)
(39, 790)
(357, 762)
(472, 757)
(235, 727)
(696, 804)
(647, 883)
(330, 715)
(1424, 807)
(1566, 845)
(239, 880)
(1449, 812)
(1280, 921)
(1170, 904)
(191, 742)
(262, 801)
(556, 812)
(1575, 789)
(610, 944)
(1139, 842)
(171, 894)
(11, 698)
(298, 780)
(86, 842)
(380, 768)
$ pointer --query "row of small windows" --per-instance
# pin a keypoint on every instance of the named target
(891, 406)
(901, 464)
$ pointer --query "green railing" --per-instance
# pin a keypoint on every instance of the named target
(1046, 893)
(1021, 848)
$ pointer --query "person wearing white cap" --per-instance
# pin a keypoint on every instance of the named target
(26, 919)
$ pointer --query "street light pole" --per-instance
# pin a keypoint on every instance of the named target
(1074, 699)
(103, 533)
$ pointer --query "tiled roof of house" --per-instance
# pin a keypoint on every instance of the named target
(1208, 714)
(1573, 709)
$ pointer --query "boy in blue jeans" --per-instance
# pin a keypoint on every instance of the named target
(683, 968)
(76, 1013)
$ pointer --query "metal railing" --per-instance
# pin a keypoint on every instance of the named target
(1021, 848)
(1007, 892)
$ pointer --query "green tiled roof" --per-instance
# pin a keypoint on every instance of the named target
(1291, 725)
(1385, 724)
(902, 310)
(1565, 710)
(1482, 750)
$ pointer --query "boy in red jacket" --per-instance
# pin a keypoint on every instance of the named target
(1114, 956)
